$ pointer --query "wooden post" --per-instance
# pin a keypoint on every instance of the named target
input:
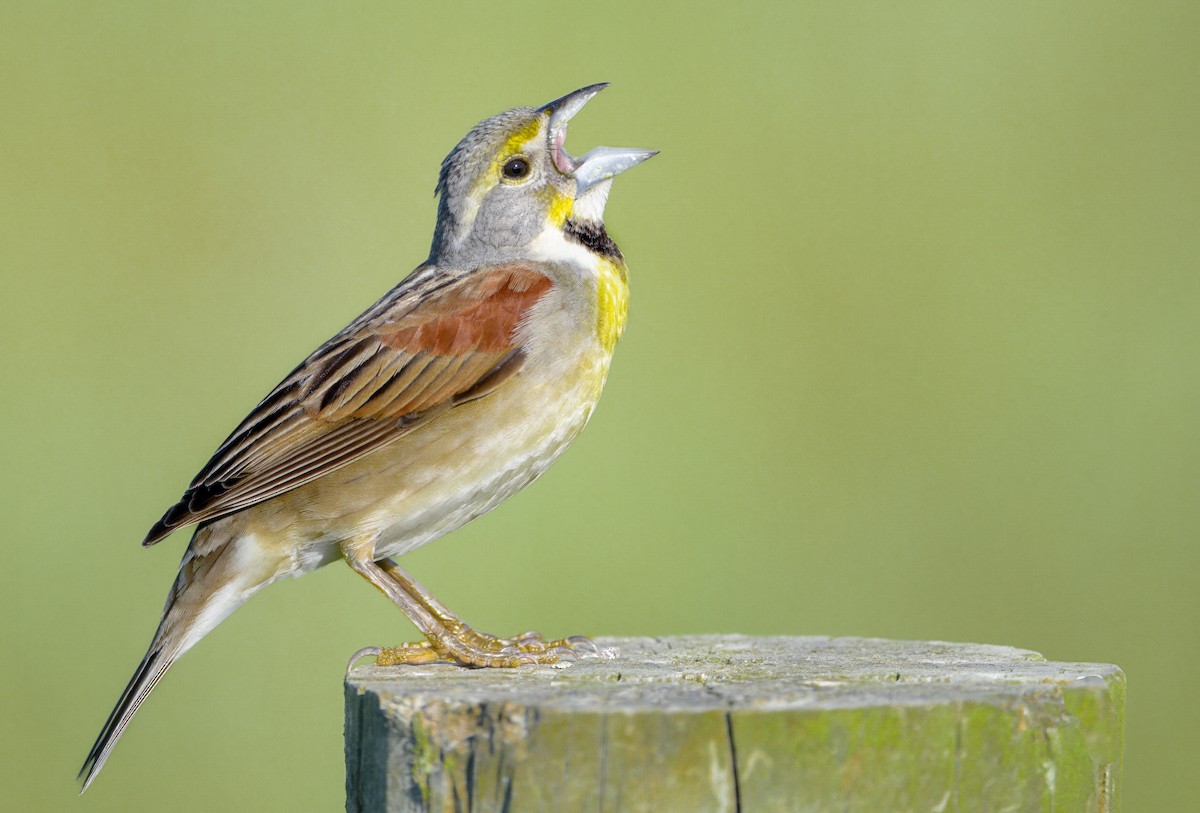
(732, 723)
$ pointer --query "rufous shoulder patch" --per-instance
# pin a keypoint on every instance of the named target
(481, 314)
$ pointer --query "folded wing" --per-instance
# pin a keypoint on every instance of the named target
(415, 355)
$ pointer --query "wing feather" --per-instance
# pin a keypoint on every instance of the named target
(437, 340)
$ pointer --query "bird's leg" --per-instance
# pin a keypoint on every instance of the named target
(448, 637)
(526, 643)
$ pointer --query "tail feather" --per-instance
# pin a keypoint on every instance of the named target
(153, 666)
(217, 575)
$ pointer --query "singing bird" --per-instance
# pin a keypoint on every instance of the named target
(451, 393)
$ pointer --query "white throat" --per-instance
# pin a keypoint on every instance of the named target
(589, 207)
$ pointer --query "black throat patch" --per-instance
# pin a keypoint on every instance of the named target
(594, 237)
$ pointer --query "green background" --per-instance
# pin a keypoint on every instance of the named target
(912, 349)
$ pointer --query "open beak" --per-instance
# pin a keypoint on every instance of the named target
(597, 164)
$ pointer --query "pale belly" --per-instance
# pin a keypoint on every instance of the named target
(441, 476)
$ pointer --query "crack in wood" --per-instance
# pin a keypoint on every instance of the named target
(733, 763)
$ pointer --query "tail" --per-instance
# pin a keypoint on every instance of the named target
(213, 581)
(153, 666)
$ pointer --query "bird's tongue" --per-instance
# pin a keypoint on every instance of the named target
(565, 162)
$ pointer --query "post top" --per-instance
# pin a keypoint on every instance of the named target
(705, 672)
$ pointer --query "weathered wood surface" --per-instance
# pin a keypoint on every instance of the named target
(731, 723)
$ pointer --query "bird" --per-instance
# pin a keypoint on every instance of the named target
(455, 390)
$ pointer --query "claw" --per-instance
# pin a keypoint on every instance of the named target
(582, 642)
(360, 654)
(564, 649)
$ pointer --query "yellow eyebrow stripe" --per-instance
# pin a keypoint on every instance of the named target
(515, 144)
(519, 139)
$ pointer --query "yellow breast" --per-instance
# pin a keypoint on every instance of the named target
(612, 302)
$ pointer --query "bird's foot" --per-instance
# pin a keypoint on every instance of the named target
(465, 646)
(452, 639)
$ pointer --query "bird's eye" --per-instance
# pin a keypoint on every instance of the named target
(515, 169)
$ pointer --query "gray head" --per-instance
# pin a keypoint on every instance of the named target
(510, 179)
